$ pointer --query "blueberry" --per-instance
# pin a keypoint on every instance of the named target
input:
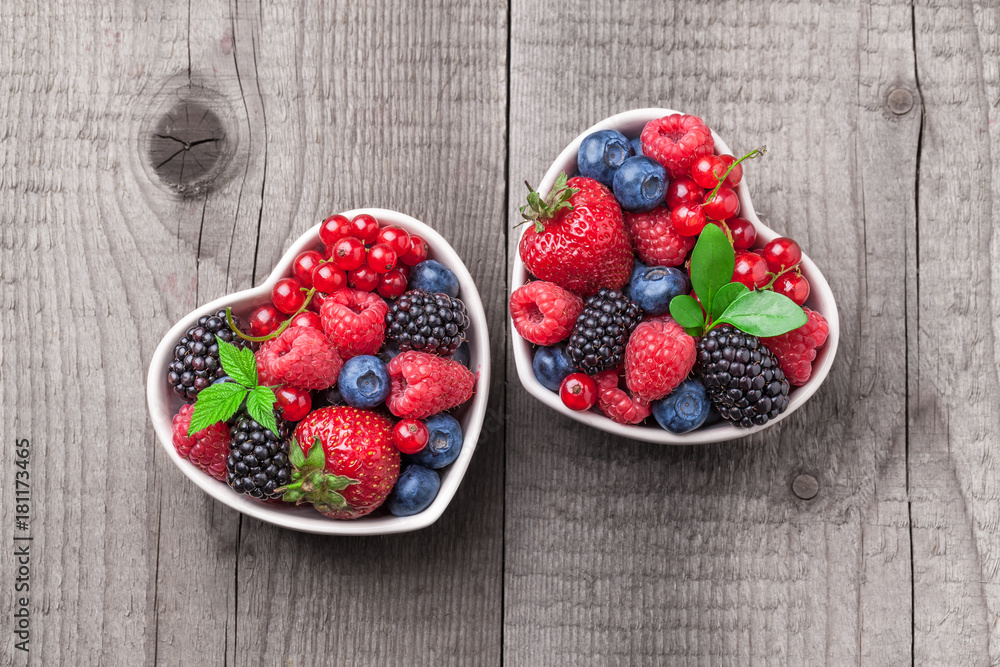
(640, 184)
(433, 276)
(388, 353)
(653, 287)
(327, 397)
(601, 153)
(684, 409)
(444, 445)
(551, 366)
(636, 145)
(364, 381)
(415, 490)
(462, 354)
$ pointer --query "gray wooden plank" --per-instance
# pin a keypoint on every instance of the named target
(621, 551)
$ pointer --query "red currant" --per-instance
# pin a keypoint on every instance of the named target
(333, 229)
(751, 270)
(394, 237)
(725, 204)
(735, 176)
(287, 295)
(381, 258)
(302, 267)
(363, 278)
(781, 253)
(265, 320)
(316, 304)
(688, 220)
(392, 284)
(707, 170)
(744, 233)
(410, 436)
(365, 227)
(293, 403)
(794, 286)
(307, 318)
(328, 278)
(683, 190)
(578, 391)
(348, 253)
(417, 252)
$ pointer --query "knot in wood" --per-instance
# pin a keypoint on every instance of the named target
(187, 146)
(900, 101)
(805, 487)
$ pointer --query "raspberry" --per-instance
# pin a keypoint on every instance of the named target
(658, 357)
(676, 141)
(654, 239)
(207, 449)
(425, 384)
(354, 321)
(544, 313)
(301, 357)
(796, 349)
(618, 405)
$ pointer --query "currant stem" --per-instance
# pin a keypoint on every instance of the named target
(777, 275)
(755, 153)
(277, 332)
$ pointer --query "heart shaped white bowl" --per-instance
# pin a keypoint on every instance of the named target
(164, 404)
(630, 123)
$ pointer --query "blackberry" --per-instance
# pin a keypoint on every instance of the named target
(258, 461)
(427, 322)
(196, 356)
(598, 339)
(744, 380)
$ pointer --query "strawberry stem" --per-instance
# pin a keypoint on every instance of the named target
(755, 153)
(538, 210)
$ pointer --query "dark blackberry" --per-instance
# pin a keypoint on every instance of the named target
(258, 461)
(196, 356)
(744, 380)
(426, 322)
(598, 339)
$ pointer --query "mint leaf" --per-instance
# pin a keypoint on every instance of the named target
(694, 332)
(725, 296)
(763, 314)
(686, 311)
(260, 406)
(216, 403)
(712, 264)
(238, 364)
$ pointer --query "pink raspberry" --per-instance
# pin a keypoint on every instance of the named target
(676, 141)
(425, 384)
(655, 240)
(618, 405)
(544, 313)
(301, 357)
(354, 321)
(796, 349)
(207, 449)
(658, 357)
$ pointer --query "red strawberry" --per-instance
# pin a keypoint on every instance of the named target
(207, 449)
(425, 384)
(658, 357)
(354, 468)
(578, 240)
(544, 313)
(676, 141)
(617, 404)
(354, 321)
(796, 349)
(301, 357)
(654, 239)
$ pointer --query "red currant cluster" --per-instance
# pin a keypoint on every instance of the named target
(776, 267)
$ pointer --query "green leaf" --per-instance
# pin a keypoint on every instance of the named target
(686, 311)
(763, 314)
(216, 403)
(725, 296)
(260, 406)
(239, 364)
(712, 264)
(694, 331)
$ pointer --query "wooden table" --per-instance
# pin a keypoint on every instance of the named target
(864, 529)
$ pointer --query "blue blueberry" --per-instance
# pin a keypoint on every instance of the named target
(640, 184)
(444, 444)
(462, 354)
(388, 353)
(601, 153)
(653, 287)
(364, 381)
(327, 397)
(551, 366)
(415, 490)
(636, 145)
(433, 276)
(684, 409)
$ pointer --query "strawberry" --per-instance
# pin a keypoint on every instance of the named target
(578, 239)
(352, 470)
(544, 313)
(207, 449)
(425, 384)
(618, 405)
(354, 321)
(796, 349)
(658, 357)
(300, 357)
(654, 239)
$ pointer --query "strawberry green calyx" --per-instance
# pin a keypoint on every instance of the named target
(310, 484)
(538, 210)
